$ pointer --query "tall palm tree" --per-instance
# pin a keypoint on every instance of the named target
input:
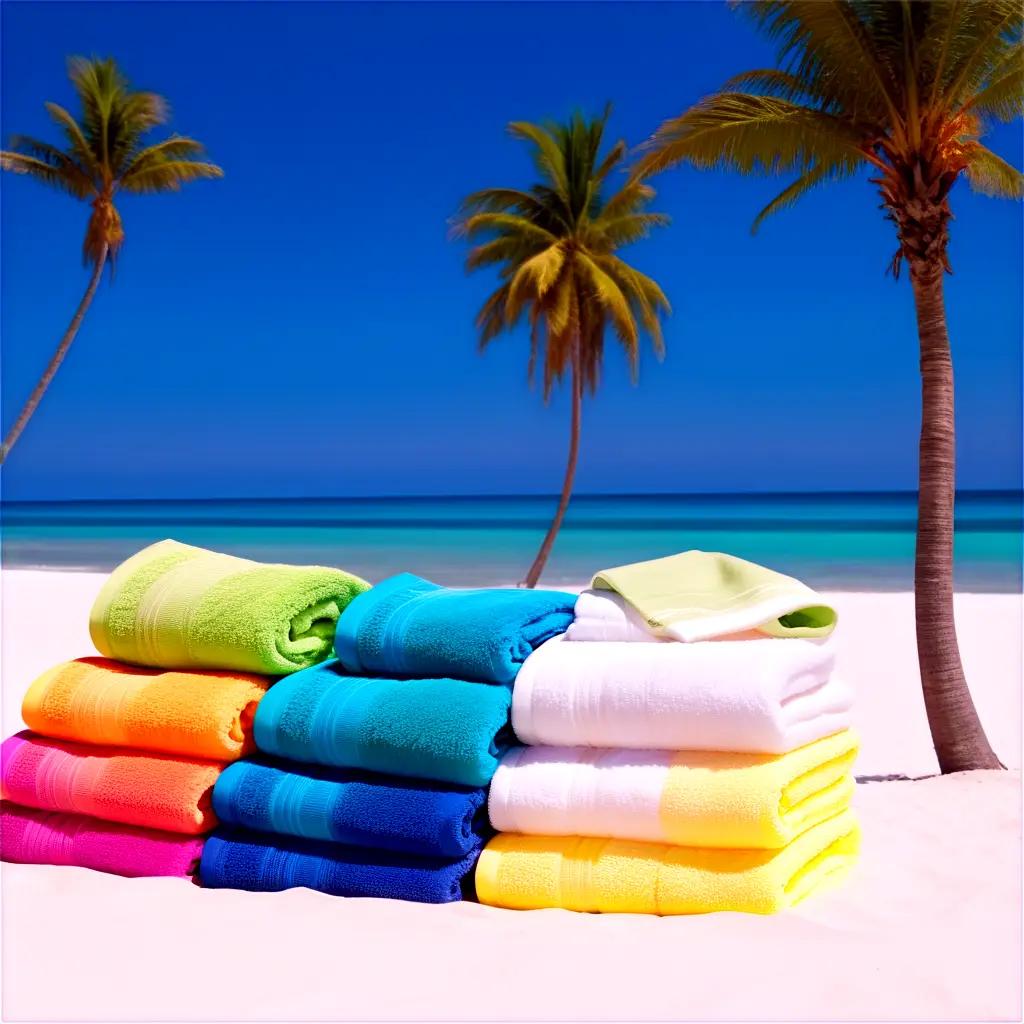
(103, 155)
(906, 90)
(555, 246)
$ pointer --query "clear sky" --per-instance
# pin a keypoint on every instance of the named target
(305, 326)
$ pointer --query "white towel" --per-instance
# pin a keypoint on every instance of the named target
(759, 696)
(606, 615)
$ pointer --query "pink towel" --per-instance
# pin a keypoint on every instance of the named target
(134, 787)
(28, 836)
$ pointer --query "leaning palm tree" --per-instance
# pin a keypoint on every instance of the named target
(906, 90)
(103, 155)
(555, 246)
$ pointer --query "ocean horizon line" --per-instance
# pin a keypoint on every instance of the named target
(839, 494)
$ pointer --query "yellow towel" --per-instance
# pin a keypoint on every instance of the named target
(197, 714)
(712, 798)
(625, 876)
(686, 798)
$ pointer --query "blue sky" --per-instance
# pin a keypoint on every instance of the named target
(305, 326)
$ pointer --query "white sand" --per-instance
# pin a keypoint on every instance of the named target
(927, 928)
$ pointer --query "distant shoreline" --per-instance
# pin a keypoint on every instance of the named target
(1010, 494)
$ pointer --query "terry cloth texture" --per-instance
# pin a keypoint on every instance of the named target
(134, 787)
(197, 714)
(177, 606)
(348, 806)
(442, 729)
(688, 798)
(407, 626)
(625, 876)
(757, 696)
(30, 836)
(235, 859)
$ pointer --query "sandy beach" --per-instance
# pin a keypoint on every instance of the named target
(928, 927)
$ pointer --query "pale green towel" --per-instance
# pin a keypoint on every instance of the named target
(698, 595)
(177, 606)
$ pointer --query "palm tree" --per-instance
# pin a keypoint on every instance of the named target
(907, 90)
(104, 155)
(555, 246)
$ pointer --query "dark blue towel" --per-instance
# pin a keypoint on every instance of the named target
(407, 626)
(237, 859)
(345, 806)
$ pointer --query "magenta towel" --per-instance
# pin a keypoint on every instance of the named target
(28, 836)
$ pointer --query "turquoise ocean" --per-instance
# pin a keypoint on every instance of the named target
(838, 541)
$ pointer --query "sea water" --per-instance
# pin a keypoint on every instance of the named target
(839, 541)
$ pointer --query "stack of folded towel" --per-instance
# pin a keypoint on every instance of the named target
(117, 769)
(373, 768)
(690, 749)
(688, 742)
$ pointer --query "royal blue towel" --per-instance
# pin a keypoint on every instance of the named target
(407, 626)
(237, 859)
(442, 729)
(347, 806)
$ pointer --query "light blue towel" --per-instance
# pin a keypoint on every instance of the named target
(443, 729)
(407, 626)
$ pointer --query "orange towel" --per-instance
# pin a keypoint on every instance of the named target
(198, 714)
(152, 790)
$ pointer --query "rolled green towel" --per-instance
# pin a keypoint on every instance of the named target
(177, 606)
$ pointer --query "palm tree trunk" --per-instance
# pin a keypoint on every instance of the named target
(58, 357)
(570, 474)
(960, 741)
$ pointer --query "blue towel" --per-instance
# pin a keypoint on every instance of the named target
(442, 729)
(407, 626)
(237, 859)
(347, 806)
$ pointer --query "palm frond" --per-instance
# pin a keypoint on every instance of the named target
(1003, 97)
(986, 32)
(789, 195)
(643, 293)
(499, 250)
(750, 133)
(79, 146)
(42, 170)
(507, 224)
(610, 296)
(771, 82)
(168, 176)
(549, 159)
(78, 184)
(497, 200)
(615, 156)
(615, 232)
(828, 47)
(634, 195)
(533, 278)
(177, 147)
(993, 176)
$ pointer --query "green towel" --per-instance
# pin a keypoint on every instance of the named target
(697, 595)
(177, 606)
